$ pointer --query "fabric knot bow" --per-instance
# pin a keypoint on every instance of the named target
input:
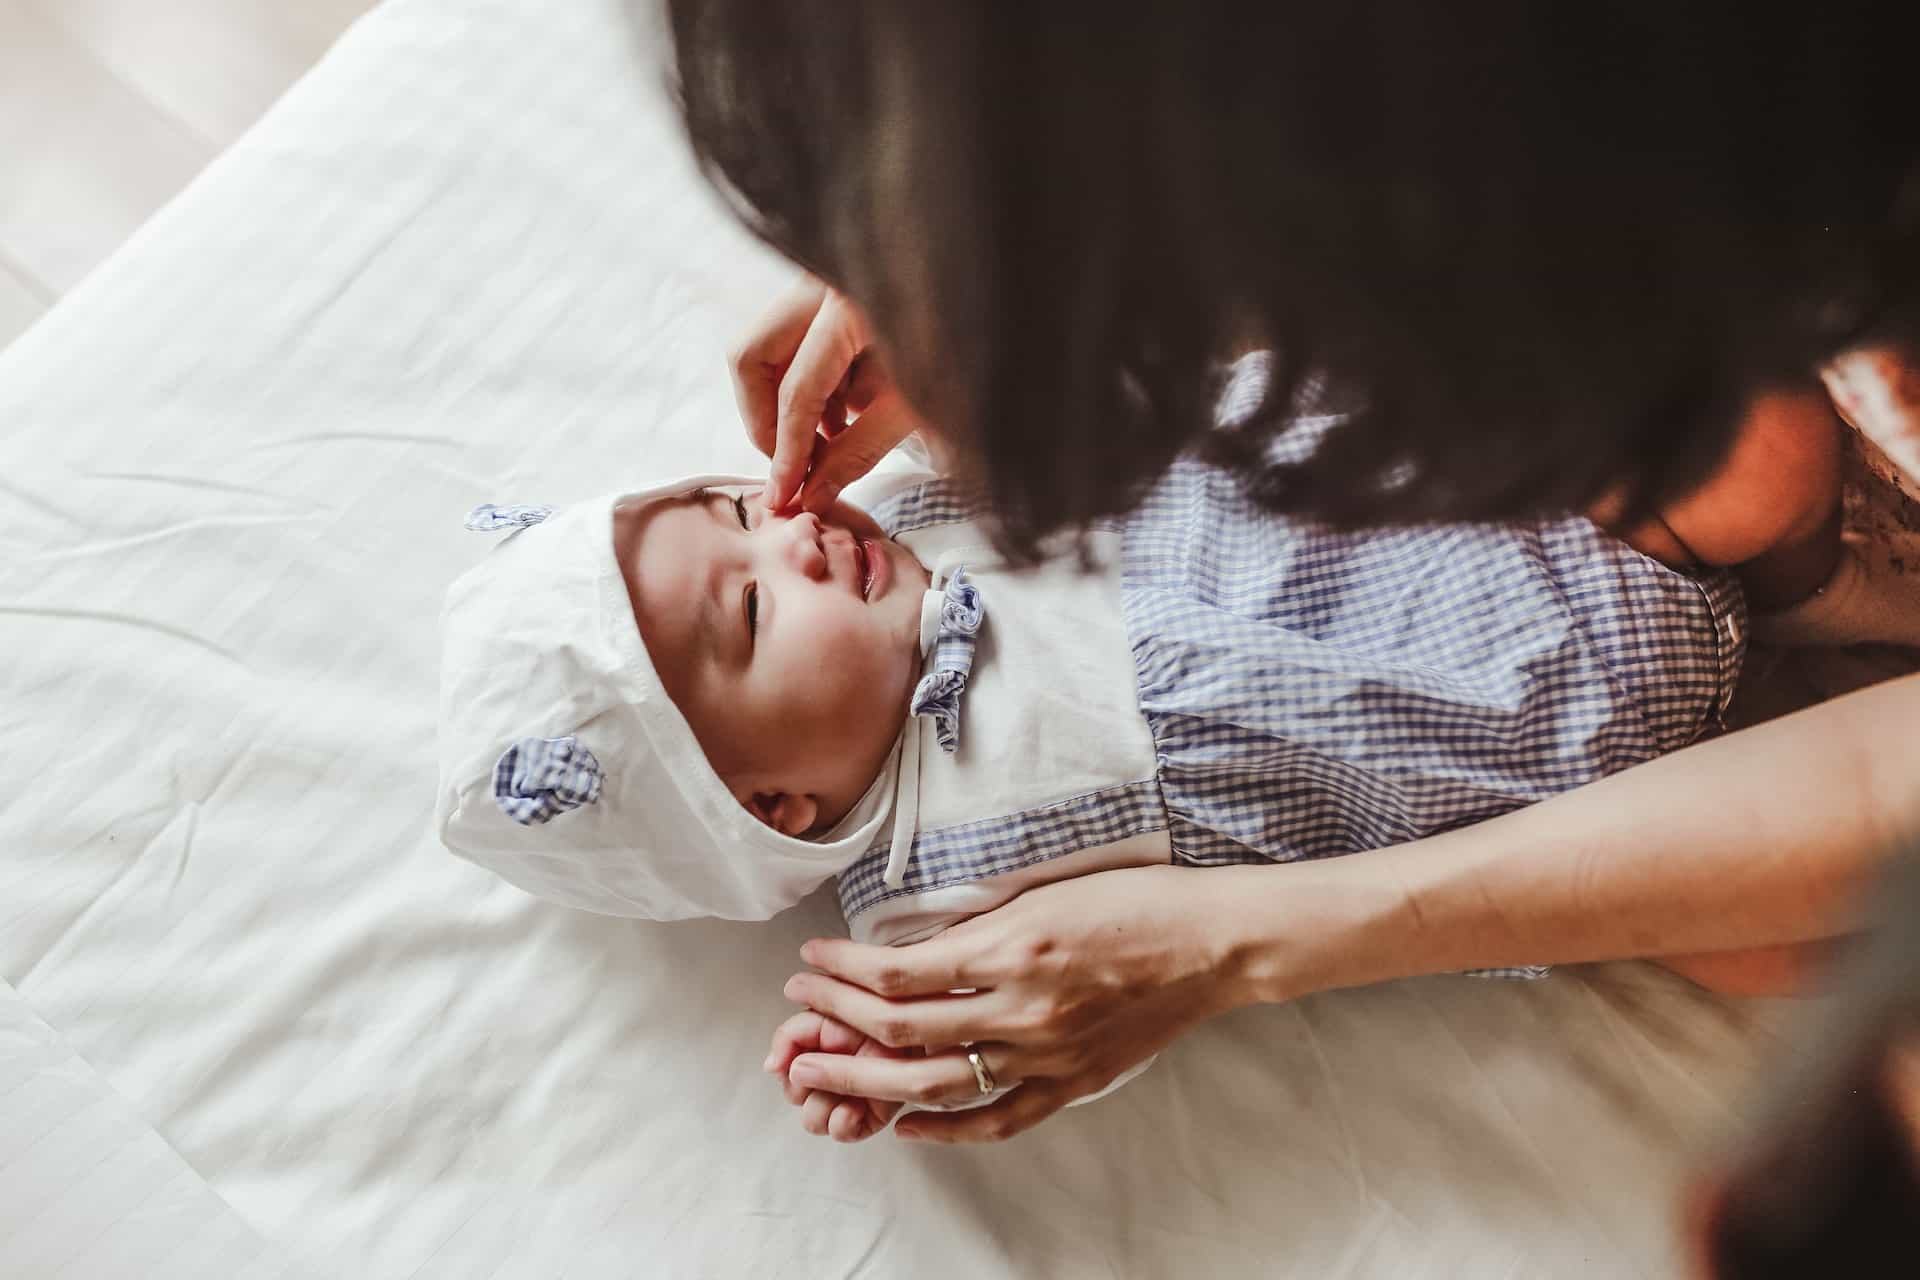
(537, 779)
(937, 696)
(489, 518)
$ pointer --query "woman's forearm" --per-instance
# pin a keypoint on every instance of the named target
(1754, 839)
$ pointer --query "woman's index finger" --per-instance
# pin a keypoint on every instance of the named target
(931, 968)
(761, 362)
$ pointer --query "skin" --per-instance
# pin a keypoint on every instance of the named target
(1771, 510)
(797, 690)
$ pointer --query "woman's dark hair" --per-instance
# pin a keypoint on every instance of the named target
(1543, 252)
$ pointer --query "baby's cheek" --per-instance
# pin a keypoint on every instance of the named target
(836, 653)
(857, 669)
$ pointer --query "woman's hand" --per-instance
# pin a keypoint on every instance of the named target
(1060, 991)
(807, 368)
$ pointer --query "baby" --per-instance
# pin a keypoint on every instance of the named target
(677, 703)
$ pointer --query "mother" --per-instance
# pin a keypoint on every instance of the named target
(1550, 255)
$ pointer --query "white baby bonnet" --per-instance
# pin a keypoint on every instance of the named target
(564, 766)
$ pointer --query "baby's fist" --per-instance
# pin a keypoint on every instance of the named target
(844, 1119)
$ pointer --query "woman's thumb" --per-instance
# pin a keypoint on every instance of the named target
(854, 452)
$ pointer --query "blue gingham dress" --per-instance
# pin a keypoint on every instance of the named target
(1311, 693)
(1314, 693)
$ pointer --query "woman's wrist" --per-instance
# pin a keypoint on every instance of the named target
(1279, 932)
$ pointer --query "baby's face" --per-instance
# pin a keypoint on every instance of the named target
(791, 644)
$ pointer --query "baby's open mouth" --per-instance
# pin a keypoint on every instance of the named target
(863, 557)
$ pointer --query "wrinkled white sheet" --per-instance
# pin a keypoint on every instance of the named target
(87, 1188)
(466, 260)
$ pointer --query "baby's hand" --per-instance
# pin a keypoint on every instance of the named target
(829, 1114)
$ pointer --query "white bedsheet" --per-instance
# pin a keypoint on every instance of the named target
(87, 1188)
(466, 260)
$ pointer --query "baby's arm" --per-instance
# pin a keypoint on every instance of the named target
(828, 1114)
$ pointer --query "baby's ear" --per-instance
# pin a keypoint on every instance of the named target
(789, 814)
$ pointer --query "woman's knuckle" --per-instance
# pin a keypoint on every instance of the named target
(895, 1033)
(891, 980)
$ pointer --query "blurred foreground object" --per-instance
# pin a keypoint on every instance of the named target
(1829, 1181)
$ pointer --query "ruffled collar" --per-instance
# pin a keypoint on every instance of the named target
(951, 614)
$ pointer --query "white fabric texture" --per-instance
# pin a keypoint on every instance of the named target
(467, 260)
(87, 1188)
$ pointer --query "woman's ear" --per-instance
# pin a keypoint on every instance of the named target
(788, 814)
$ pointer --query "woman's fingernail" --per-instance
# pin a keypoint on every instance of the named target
(792, 990)
(804, 1074)
(808, 952)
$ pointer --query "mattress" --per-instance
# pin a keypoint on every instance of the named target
(467, 260)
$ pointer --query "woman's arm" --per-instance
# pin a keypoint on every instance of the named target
(1754, 839)
(1759, 838)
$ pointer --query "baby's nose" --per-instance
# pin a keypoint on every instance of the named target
(803, 545)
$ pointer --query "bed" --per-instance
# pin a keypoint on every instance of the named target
(254, 1021)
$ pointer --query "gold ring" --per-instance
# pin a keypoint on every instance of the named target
(981, 1076)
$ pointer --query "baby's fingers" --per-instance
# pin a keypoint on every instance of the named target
(816, 1111)
(851, 1122)
(837, 1037)
(802, 1033)
(882, 1112)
